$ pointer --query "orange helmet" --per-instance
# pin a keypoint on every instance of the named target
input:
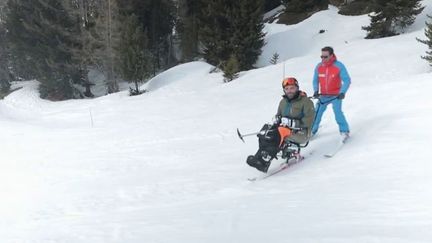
(290, 81)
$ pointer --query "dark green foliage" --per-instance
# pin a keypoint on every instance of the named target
(232, 28)
(135, 92)
(231, 69)
(133, 54)
(57, 42)
(408, 11)
(356, 7)
(338, 3)
(428, 41)
(57, 86)
(299, 10)
(247, 36)
(216, 31)
(4, 64)
(188, 27)
(107, 28)
(391, 17)
(302, 6)
(41, 35)
(157, 17)
(275, 58)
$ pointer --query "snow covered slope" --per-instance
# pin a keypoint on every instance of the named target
(167, 166)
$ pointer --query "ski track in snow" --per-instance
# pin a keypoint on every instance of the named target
(167, 166)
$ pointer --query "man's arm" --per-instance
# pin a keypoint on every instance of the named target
(345, 78)
(309, 115)
(279, 110)
(315, 81)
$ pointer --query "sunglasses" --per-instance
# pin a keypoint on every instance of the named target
(324, 57)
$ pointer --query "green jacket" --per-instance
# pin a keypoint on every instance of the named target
(300, 108)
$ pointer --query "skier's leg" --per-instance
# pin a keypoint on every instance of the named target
(298, 138)
(340, 117)
(319, 113)
(294, 151)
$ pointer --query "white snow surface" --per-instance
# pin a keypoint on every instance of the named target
(168, 167)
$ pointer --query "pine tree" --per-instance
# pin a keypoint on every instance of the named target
(232, 28)
(275, 58)
(86, 56)
(304, 6)
(107, 27)
(392, 17)
(409, 9)
(157, 17)
(99, 37)
(188, 27)
(247, 36)
(216, 31)
(428, 41)
(134, 57)
(4, 63)
(41, 34)
(231, 69)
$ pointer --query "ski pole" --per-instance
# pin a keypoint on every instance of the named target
(319, 100)
(246, 135)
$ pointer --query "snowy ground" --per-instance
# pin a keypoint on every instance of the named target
(168, 167)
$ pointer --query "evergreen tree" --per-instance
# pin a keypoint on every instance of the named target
(107, 28)
(247, 36)
(134, 57)
(216, 31)
(160, 28)
(157, 17)
(428, 41)
(188, 27)
(41, 34)
(304, 6)
(354, 7)
(275, 58)
(99, 37)
(409, 9)
(4, 64)
(391, 17)
(231, 69)
(85, 12)
(232, 28)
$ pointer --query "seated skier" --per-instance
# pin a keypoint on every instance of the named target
(292, 125)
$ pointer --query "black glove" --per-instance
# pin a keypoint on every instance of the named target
(341, 96)
(276, 120)
(316, 95)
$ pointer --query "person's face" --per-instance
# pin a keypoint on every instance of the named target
(290, 91)
(325, 56)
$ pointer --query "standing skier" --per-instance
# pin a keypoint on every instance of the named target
(332, 79)
(293, 124)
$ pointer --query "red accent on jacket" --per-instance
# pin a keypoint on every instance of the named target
(329, 77)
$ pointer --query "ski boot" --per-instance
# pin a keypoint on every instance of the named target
(344, 136)
(261, 161)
